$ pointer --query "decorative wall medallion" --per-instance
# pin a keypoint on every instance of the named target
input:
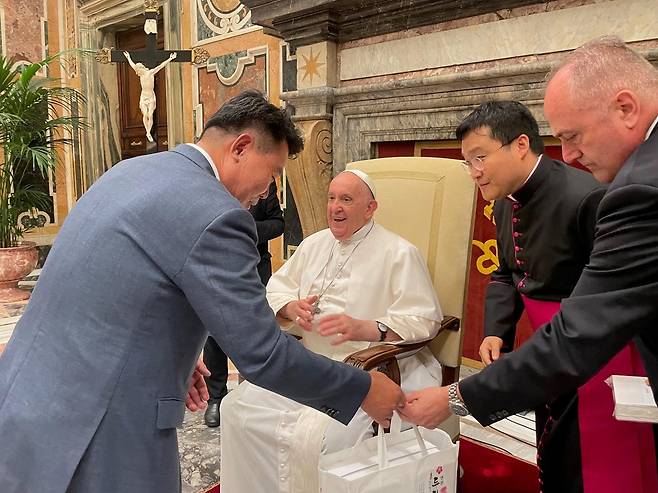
(34, 218)
(230, 67)
(324, 156)
(225, 6)
(220, 17)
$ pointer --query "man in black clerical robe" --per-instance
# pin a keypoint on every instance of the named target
(545, 215)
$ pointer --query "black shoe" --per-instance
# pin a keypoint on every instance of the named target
(211, 416)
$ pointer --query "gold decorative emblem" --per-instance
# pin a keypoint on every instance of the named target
(199, 56)
(103, 55)
(150, 5)
(488, 261)
(311, 65)
(488, 211)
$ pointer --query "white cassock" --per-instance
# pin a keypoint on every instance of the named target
(272, 444)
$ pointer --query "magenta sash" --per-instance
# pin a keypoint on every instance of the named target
(616, 456)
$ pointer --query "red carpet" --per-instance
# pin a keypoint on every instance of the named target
(493, 471)
(487, 469)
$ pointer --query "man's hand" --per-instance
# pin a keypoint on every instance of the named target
(346, 328)
(427, 407)
(197, 394)
(301, 311)
(490, 349)
(383, 398)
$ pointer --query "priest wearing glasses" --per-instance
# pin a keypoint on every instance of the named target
(347, 287)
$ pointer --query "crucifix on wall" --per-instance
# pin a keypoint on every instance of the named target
(148, 61)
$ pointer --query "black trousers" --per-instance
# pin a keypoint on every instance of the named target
(213, 356)
(216, 361)
(558, 446)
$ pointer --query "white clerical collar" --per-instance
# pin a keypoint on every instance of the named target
(361, 233)
(653, 125)
(207, 156)
(510, 196)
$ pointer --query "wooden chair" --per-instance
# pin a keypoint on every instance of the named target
(429, 202)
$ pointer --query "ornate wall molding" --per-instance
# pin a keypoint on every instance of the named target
(229, 68)
(305, 22)
(309, 174)
(218, 19)
(419, 109)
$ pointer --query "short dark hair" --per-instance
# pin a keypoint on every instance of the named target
(250, 109)
(506, 120)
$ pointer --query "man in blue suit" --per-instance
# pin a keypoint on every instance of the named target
(157, 254)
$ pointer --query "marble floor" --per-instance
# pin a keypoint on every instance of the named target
(199, 452)
(199, 449)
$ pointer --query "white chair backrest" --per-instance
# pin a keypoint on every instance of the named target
(431, 202)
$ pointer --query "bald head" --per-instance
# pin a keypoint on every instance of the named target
(600, 102)
(604, 66)
(350, 205)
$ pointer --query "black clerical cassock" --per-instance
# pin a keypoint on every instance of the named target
(545, 232)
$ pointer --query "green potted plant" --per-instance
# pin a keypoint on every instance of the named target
(34, 124)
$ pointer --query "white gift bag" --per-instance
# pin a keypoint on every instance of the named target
(412, 461)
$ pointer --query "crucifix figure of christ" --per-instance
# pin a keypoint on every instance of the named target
(147, 62)
(147, 97)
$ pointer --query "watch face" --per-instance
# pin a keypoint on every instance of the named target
(458, 409)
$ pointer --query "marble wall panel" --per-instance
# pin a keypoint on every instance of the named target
(212, 92)
(545, 32)
(288, 68)
(23, 29)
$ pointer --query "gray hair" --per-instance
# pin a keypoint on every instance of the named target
(605, 66)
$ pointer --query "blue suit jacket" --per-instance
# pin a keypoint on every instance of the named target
(93, 382)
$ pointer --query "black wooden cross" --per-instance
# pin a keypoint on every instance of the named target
(150, 56)
(150, 59)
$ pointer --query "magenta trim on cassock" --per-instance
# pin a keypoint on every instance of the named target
(616, 456)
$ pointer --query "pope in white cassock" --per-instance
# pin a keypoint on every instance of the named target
(348, 287)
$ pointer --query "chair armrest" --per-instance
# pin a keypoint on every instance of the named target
(383, 357)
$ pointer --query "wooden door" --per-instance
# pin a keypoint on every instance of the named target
(133, 135)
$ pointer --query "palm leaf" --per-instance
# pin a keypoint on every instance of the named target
(36, 118)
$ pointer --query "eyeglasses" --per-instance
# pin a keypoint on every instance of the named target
(477, 163)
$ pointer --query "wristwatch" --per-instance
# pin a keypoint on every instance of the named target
(456, 405)
(383, 330)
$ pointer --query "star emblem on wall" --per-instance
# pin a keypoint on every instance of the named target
(311, 65)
